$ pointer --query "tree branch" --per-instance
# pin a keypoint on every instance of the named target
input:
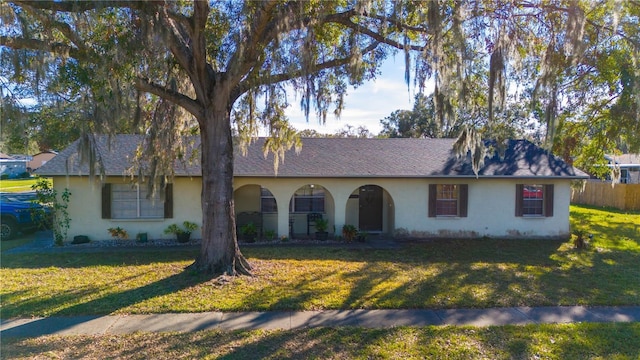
(39, 45)
(246, 55)
(178, 41)
(182, 100)
(64, 28)
(249, 83)
(633, 41)
(345, 19)
(185, 38)
(397, 23)
(81, 6)
(199, 48)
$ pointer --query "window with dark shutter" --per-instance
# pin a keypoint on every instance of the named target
(168, 202)
(464, 200)
(432, 200)
(534, 200)
(132, 201)
(548, 200)
(519, 191)
(448, 200)
(106, 201)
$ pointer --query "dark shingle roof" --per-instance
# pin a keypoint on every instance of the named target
(343, 157)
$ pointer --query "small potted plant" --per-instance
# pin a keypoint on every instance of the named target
(118, 233)
(249, 232)
(362, 236)
(349, 232)
(142, 237)
(183, 234)
(270, 234)
(579, 241)
(321, 229)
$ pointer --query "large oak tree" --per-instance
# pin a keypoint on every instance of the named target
(231, 63)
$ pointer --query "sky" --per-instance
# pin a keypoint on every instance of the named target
(365, 105)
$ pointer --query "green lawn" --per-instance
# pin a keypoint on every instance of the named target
(13, 243)
(437, 274)
(568, 341)
(18, 185)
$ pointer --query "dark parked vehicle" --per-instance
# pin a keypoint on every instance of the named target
(21, 216)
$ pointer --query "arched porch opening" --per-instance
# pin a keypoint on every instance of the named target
(308, 203)
(255, 206)
(370, 208)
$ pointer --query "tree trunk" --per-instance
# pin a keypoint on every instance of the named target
(219, 253)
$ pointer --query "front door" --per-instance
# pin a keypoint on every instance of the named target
(370, 214)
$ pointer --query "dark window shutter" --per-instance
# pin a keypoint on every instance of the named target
(464, 199)
(168, 201)
(519, 202)
(106, 201)
(432, 200)
(548, 200)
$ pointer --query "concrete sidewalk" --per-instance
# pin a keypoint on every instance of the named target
(122, 324)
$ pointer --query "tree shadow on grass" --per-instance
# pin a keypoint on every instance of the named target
(66, 303)
(531, 252)
(570, 277)
(118, 257)
(565, 341)
(576, 341)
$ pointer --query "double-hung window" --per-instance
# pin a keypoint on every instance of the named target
(308, 199)
(132, 201)
(267, 201)
(448, 200)
(534, 200)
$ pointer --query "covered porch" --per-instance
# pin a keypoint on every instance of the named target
(289, 207)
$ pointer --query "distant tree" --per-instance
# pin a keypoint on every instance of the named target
(310, 133)
(422, 122)
(419, 122)
(349, 131)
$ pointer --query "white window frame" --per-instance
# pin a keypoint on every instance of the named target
(531, 200)
(156, 204)
(447, 193)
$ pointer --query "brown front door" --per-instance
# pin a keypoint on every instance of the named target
(370, 200)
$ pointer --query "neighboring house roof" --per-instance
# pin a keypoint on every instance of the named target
(40, 159)
(343, 157)
(624, 159)
(21, 157)
(5, 156)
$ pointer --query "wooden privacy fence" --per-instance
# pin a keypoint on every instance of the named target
(597, 193)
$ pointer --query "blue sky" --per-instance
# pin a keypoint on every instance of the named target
(366, 105)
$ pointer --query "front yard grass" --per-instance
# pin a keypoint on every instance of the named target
(436, 274)
(566, 341)
(19, 185)
(14, 243)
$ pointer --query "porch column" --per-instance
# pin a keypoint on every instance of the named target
(340, 210)
(283, 214)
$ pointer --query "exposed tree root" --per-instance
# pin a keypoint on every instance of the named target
(239, 266)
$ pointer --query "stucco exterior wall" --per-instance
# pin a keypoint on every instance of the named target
(85, 209)
(491, 210)
(491, 207)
